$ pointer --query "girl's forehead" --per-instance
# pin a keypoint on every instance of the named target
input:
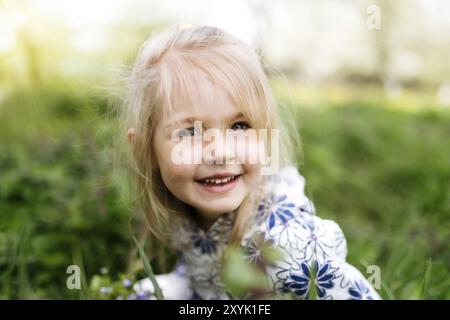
(209, 101)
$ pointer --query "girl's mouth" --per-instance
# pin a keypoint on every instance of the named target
(219, 184)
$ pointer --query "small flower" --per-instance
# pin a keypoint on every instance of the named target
(127, 283)
(105, 290)
(132, 296)
(104, 270)
(144, 296)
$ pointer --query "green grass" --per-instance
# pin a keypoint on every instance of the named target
(377, 167)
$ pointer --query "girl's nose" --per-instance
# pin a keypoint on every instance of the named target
(219, 151)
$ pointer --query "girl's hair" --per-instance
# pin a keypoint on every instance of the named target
(166, 71)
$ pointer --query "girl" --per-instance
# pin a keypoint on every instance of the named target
(198, 99)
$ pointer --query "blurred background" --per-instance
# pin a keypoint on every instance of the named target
(367, 83)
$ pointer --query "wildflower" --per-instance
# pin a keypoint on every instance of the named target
(127, 283)
(105, 290)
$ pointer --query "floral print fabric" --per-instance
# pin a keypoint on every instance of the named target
(311, 247)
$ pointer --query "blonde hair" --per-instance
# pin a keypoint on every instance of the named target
(166, 71)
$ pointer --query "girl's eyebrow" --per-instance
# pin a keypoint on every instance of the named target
(237, 116)
(190, 120)
(184, 120)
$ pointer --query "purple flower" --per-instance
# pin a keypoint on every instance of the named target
(132, 296)
(127, 283)
(105, 290)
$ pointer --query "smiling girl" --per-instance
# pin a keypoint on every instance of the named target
(204, 93)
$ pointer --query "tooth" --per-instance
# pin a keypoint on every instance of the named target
(219, 180)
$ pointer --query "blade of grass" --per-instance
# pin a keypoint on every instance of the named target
(23, 283)
(387, 290)
(77, 255)
(425, 280)
(148, 269)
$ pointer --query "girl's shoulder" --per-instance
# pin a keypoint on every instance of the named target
(309, 247)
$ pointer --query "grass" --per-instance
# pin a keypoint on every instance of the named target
(149, 270)
(377, 167)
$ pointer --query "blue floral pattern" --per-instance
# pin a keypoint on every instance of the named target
(280, 210)
(299, 282)
(360, 291)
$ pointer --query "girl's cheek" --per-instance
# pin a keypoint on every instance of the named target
(170, 171)
(249, 150)
(182, 173)
(173, 173)
(187, 151)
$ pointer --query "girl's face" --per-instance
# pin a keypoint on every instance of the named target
(218, 177)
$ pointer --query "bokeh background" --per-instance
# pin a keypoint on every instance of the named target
(372, 107)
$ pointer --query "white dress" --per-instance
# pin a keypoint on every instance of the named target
(286, 220)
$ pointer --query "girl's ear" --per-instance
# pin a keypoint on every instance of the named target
(130, 135)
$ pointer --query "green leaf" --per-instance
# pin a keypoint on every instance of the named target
(240, 276)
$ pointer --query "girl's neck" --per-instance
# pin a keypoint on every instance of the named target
(204, 223)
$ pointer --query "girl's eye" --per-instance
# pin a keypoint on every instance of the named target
(241, 125)
(187, 132)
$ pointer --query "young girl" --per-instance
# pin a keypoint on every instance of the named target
(201, 93)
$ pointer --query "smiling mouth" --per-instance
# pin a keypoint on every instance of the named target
(218, 181)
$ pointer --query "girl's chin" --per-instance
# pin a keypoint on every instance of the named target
(214, 209)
